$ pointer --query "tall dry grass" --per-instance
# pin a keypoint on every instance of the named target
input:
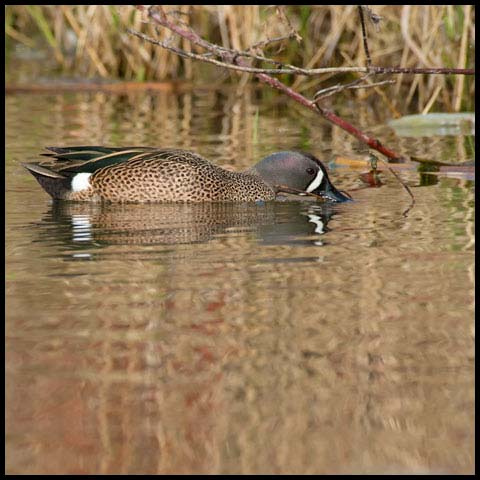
(91, 41)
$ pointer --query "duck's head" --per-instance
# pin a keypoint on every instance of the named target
(300, 171)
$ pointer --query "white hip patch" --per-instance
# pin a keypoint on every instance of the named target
(80, 182)
(316, 181)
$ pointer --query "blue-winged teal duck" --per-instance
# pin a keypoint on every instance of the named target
(145, 174)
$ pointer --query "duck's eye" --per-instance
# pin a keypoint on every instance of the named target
(310, 171)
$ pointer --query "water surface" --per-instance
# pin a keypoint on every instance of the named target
(289, 337)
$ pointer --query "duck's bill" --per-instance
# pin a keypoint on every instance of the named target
(331, 193)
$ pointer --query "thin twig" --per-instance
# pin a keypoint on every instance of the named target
(404, 185)
(177, 50)
(284, 18)
(256, 56)
(326, 92)
(268, 41)
(364, 35)
(376, 84)
(329, 91)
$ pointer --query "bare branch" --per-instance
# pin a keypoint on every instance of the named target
(157, 14)
(235, 60)
(222, 52)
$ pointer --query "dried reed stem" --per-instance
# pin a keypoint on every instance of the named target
(462, 61)
(91, 40)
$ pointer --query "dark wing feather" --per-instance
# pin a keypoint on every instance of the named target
(69, 161)
(37, 169)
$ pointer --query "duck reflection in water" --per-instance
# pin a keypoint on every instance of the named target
(87, 226)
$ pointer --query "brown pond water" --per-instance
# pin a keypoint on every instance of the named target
(288, 337)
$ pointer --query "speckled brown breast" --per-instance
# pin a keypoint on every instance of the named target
(172, 176)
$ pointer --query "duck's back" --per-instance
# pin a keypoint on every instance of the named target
(153, 175)
(176, 176)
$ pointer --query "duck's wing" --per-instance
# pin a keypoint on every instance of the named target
(71, 160)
